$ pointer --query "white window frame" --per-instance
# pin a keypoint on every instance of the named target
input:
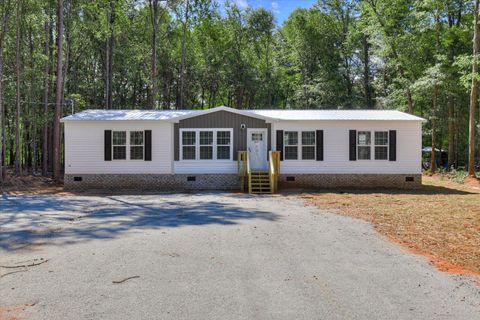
(381, 145)
(373, 145)
(126, 145)
(363, 145)
(197, 144)
(299, 145)
(130, 145)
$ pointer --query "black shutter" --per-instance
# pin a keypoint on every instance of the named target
(319, 145)
(107, 153)
(392, 148)
(280, 143)
(148, 145)
(353, 145)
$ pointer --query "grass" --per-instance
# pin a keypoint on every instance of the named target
(441, 220)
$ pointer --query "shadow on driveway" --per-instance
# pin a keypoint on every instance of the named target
(68, 220)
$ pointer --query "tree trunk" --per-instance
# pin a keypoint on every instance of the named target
(366, 73)
(3, 139)
(109, 59)
(18, 165)
(154, 4)
(433, 158)
(184, 56)
(473, 92)
(58, 93)
(451, 131)
(46, 69)
(2, 120)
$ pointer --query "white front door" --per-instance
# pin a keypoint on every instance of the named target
(257, 148)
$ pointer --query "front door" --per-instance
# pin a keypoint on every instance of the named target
(257, 148)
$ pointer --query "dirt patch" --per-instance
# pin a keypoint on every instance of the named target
(31, 185)
(13, 312)
(472, 182)
(440, 221)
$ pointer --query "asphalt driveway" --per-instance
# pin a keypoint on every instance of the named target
(211, 256)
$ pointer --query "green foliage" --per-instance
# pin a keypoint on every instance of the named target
(336, 54)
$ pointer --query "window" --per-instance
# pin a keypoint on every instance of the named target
(136, 145)
(364, 145)
(119, 145)
(206, 144)
(308, 145)
(188, 145)
(291, 145)
(223, 145)
(381, 145)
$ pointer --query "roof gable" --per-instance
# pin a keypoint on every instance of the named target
(223, 108)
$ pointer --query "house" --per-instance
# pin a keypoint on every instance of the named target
(225, 148)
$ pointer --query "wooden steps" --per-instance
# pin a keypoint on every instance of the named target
(260, 182)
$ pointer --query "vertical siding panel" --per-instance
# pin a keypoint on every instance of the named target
(224, 119)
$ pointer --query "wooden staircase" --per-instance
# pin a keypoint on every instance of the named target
(259, 181)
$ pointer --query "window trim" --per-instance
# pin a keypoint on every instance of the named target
(387, 145)
(127, 153)
(197, 144)
(364, 145)
(373, 144)
(130, 145)
(300, 145)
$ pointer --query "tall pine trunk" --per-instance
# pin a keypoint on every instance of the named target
(473, 92)
(18, 150)
(366, 73)
(154, 4)
(3, 139)
(58, 93)
(46, 75)
(109, 58)
(184, 57)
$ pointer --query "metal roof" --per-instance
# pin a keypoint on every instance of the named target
(107, 115)
(337, 115)
(173, 115)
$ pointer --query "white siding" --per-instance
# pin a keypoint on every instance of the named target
(336, 147)
(84, 147)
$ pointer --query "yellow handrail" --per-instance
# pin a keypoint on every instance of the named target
(244, 170)
(274, 169)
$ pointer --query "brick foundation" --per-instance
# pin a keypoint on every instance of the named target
(402, 181)
(162, 182)
(185, 182)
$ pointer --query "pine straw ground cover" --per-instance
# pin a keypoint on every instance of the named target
(440, 221)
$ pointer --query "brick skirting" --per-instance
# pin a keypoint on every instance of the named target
(185, 182)
(403, 181)
(162, 182)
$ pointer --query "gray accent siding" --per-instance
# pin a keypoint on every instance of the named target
(222, 119)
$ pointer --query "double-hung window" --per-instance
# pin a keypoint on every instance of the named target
(381, 145)
(291, 145)
(223, 145)
(189, 145)
(119, 145)
(308, 145)
(136, 145)
(299, 145)
(364, 145)
(206, 144)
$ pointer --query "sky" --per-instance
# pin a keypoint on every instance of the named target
(280, 8)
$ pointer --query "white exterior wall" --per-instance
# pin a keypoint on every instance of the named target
(84, 147)
(336, 147)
